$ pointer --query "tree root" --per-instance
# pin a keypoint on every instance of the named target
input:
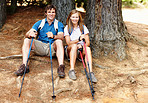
(136, 40)
(11, 57)
(62, 90)
(19, 56)
(100, 66)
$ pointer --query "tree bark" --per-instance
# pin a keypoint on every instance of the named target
(63, 9)
(13, 5)
(2, 12)
(90, 17)
(108, 33)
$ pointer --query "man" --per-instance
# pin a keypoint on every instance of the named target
(41, 45)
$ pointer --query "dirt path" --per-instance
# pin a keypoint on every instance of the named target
(118, 82)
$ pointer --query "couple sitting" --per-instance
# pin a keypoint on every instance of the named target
(74, 32)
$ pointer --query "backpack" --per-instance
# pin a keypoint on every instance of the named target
(43, 23)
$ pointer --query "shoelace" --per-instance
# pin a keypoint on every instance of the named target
(62, 68)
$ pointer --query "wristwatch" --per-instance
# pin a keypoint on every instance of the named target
(53, 36)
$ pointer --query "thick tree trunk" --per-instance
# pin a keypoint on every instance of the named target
(13, 5)
(109, 36)
(90, 17)
(63, 9)
(2, 12)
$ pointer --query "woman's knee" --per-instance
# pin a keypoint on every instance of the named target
(74, 46)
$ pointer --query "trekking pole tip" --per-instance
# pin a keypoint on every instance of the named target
(19, 95)
(53, 97)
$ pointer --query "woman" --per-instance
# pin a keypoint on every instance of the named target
(74, 32)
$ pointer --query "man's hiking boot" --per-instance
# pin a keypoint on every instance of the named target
(21, 70)
(72, 75)
(60, 71)
(94, 79)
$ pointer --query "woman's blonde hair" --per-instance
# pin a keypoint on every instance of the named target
(69, 23)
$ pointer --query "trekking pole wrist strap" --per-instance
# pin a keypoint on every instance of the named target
(83, 40)
(79, 38)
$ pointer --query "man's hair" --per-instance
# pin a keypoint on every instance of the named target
(49, 7)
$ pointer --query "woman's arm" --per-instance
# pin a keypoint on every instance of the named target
(67, 38)
(86, 36)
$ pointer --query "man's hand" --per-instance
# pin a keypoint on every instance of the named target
(50, 35)
(31, 33)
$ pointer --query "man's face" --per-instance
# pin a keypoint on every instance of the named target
(51, 14)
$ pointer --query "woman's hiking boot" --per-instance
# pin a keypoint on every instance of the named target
(94, 79)
(60, 71)
(72, 75)
(21, 70)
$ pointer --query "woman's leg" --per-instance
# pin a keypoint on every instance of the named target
(89, 58)
(72, 52)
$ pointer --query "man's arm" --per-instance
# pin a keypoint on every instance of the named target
(31, 33)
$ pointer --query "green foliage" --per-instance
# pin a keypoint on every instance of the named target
(134, 3)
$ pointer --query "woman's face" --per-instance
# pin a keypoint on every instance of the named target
(74, 18)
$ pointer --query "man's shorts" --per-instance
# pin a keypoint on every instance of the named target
(42, 49)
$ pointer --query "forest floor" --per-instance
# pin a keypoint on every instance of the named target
(118, 81)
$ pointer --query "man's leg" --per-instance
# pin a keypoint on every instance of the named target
(58, 46)
(59, 51)
(25, 52)
(25, 49)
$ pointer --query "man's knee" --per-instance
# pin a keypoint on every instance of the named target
(59, 42)
(27, 43)
(26, 40)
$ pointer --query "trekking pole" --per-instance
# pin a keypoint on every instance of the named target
(88, 68)
(53, 97)
(92, 92)
(25, 67)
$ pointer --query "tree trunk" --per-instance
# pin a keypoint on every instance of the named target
(108, 33)
(90, 17)
(13, 5)
(2, 12)
(63, 9)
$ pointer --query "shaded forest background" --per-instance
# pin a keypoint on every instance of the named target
(106, 26)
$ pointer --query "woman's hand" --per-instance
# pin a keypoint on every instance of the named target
(81, 37)
(79, 46)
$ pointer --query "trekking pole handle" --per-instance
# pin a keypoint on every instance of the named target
(83, 40)
(80, 49)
